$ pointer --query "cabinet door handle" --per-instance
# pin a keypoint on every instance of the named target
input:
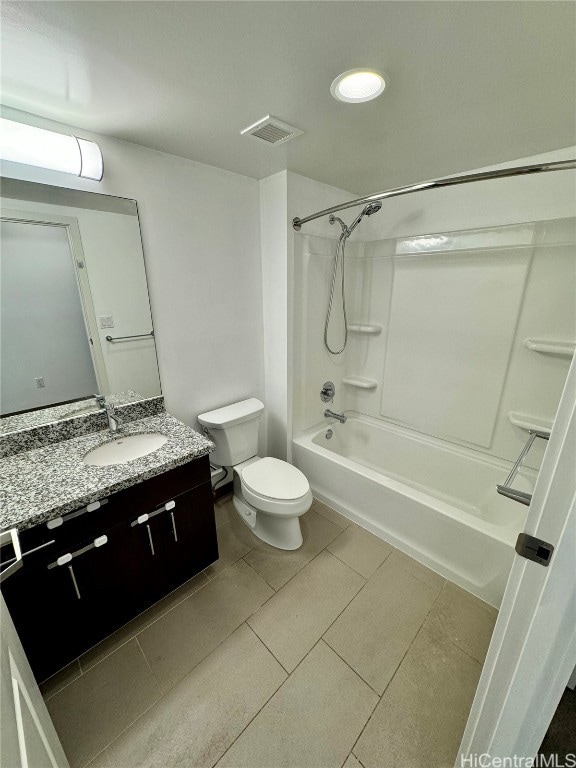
(64, 559)
(174, 526)
(56, 522)
(150, 539)
(78, 595)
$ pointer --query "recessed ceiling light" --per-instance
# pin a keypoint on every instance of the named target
(358, 85)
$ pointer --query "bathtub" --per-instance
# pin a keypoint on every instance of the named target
(435, 501)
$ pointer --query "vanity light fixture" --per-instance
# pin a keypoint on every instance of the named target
(357, 85)
(26, 144)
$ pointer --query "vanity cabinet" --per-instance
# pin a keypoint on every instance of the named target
(91, 571)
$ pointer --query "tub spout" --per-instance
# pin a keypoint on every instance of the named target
(331, 415)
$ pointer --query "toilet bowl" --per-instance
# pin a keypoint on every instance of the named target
(269, 494)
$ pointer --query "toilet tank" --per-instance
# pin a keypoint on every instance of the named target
(234, 430)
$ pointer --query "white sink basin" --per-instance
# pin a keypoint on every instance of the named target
(125, 448)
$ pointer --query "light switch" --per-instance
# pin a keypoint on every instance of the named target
(106, 321)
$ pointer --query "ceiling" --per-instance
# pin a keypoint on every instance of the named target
(471, 83)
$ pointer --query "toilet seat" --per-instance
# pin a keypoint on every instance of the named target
(275, 479)
(276, 487)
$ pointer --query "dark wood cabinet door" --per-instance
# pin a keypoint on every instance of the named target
(107, 566)
(51, 620)
(188, 536)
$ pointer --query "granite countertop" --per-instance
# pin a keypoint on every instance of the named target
(44, 483)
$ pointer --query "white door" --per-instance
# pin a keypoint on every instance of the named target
(533, 650)
(27, 737)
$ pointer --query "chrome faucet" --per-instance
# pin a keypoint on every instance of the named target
(114, 423)
(100, 400)
(331, 415)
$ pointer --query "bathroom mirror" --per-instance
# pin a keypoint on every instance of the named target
(75, 313)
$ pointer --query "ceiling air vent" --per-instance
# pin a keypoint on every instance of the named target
(272, 130)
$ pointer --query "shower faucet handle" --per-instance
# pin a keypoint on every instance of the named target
(327, 392)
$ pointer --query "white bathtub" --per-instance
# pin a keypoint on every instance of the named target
(436, 502)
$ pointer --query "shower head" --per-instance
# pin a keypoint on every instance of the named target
(372, 208)
(368, 210)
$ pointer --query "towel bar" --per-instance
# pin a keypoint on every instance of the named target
(506, 490)
(113, 339)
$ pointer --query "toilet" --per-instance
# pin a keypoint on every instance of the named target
(269, 494)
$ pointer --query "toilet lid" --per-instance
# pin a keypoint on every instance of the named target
(275, 479)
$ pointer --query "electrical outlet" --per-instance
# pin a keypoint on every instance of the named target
(106, 321)
(40, 382)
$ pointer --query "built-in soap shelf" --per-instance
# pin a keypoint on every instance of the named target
(535, 423)
(360, 382)
(548, 347)
(367, 328)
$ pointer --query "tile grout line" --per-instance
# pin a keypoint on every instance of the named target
(318, 512)
(162, 694)
(143, 629)
(326, 630)
(260, 576)
(244, 621)
(271, 697)
(102, 752)
(352, 567)
(51, 696)
(270, 651)
(352, 668)
(123, 731)
(300, 571)
(399, 664)
(147, 626)
(447, 637)
(136, 719)
(288, 675)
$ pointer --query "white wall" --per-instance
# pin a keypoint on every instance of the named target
(282, 197)
(200, 231)
(274, 240)
(480, 204)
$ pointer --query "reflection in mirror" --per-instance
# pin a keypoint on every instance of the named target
(75, 313)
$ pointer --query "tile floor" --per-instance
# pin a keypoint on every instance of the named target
(343, 653)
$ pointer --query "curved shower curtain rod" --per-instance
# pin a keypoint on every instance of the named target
(562, 165)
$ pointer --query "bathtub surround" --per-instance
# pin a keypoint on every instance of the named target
(463, 319)
(459, 342)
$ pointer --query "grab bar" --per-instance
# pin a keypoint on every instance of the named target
(113, 339)
(512, 493)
